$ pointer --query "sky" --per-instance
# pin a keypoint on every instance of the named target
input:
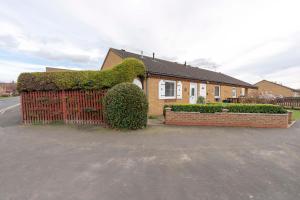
(250, 39)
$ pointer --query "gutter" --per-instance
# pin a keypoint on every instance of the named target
(185, 77)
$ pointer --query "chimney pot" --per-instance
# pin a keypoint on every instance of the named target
(153, 55)
(142, 54)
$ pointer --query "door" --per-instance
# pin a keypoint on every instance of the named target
(202, 92)
(193, 93)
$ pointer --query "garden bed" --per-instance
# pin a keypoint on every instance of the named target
(258, 116)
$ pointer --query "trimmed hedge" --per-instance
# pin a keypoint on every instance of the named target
(126, 107)
(129, 69)
(255, 108)
(196, 108)
(234, 108)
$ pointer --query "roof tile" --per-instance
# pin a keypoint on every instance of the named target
(168, 68)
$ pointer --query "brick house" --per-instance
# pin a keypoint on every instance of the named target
(8, 89)
(169, 82)
(268, 88)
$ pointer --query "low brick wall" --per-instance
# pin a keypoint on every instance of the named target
(257, 120)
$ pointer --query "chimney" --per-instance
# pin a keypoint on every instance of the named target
(142, 54)
(185, 63)
(153, 55)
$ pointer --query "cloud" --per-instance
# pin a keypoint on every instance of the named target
(14, 39)
(291, 76)
(248, 39)
(10, 70)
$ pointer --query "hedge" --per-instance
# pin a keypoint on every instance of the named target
(129, 69)
(234, 108)
(203, 108)
(126, 107)
(255, 108)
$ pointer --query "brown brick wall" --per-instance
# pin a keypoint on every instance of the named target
(226, 92)
(156, 104)
(256, 120)
(111, 60)
(266, 87)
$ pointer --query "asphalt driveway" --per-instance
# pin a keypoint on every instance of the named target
(161, 162)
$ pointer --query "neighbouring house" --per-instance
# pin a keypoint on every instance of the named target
(55, 69)
(8, 89)
(268, 88)
(169, 82)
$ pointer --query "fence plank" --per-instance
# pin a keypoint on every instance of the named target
(79, 107)
(289, 102)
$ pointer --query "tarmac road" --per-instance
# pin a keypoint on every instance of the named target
(161, 162)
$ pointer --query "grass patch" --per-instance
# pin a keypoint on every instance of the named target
(296, 114)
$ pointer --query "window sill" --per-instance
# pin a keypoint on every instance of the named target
(163, 98)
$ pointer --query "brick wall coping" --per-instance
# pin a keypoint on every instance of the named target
(258, 120)
(275, 114)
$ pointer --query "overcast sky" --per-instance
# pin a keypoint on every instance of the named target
(249, 39)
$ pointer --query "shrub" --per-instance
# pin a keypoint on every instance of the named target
(234, 108)
(211, 108)
(129, 69)
(126, 107)
(255, 108)
(200, 100)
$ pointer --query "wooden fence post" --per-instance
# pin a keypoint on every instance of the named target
(64, 108)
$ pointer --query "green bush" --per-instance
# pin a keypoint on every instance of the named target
(202, 108)
(255, 108)
(200, 100)
(129, 69)
(126, 107)
(234, 108)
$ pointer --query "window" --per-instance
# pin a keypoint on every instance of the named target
(217, 91)
(234, 92)
(243, 92)
(179, 90)
(167, 89)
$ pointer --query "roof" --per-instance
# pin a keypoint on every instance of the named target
(167, 68)
(292, 89)
(55, 69)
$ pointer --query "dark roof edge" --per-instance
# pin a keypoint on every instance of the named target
(185, 77)
(248, 85)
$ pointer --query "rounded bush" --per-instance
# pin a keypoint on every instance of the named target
(126, 107)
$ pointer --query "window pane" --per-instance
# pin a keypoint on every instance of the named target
(193, 92)
(169, 89)
(217, 91)
(233, 92)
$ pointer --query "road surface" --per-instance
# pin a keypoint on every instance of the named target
(10, 112)
(7, 102)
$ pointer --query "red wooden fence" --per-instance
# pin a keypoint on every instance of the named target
(289, 102)
(77, 107)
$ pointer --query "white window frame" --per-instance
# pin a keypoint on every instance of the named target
(179, 90)
(235, 94)
(219, 91)
(168, 97)
(243, 92)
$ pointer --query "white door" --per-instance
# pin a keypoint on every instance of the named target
(202, 92)
(193, 93)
